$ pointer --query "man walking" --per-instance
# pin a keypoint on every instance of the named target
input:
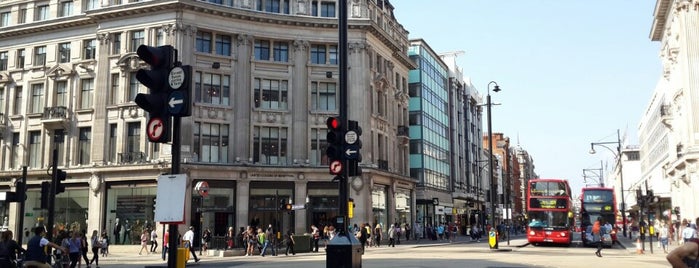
(188, 237)
(36, 256)
(597, 235)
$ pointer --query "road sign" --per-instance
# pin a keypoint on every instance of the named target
(297, 207)
(336, 167)
(175, 103)
(202, 188)
(155, 128)
(176, 78)
(350, 137)
(351, 151)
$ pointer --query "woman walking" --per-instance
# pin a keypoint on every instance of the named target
(74, 245)
(96, 245)
(153, 240)
(289, 237)
(83, 248)
(144, 242)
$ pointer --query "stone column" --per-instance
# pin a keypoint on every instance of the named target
(300, 193)
(241, 203)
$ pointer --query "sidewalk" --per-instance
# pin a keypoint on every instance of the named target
(631, 246)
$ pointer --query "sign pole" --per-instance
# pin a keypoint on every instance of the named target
(174, 234)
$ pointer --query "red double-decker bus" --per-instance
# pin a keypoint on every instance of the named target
(597, 202)
(549, 212)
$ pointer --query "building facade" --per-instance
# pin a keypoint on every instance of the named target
(265, 80)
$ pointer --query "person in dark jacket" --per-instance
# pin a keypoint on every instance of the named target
(35, 255)
(8, 249)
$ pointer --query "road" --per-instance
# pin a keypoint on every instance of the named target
(442, 255)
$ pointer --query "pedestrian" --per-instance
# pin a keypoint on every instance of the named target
(36, 255)
(188, 238)
(315, 232)
(686, 255)
(104, 243)
(289, 238)
(377, 235)
(144, 242)
(9, 249)
(392, 236)
(271, 239)
(205, 239)
(363, 236)
(96, 245)
(251, 239)
(262, 239)
(230, 237)
(663, 235)
(74, 248)
(597, 235)
(84, 248)
(688, 232)
(166, 241)
(407, 231)
(153, 240)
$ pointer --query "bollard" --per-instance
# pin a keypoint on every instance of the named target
(639, 249)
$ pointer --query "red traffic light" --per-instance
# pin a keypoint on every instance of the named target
(333, 123)
(156, 56)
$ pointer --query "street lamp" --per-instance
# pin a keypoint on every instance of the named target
(621, 172)
(493, 193)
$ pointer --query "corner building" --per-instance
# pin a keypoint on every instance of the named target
(265, 80)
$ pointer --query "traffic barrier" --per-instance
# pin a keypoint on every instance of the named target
(639, 247)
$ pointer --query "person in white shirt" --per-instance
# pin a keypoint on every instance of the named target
(189, 237)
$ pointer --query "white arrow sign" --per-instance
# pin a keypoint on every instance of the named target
(350, 152)
(174, 102)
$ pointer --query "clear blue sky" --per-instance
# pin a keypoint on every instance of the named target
(571, 72)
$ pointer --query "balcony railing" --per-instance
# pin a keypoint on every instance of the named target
(383, 164)
(57, 112)
(403, 131)
(132, 157)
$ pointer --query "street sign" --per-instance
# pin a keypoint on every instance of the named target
(351, 151)
(350, 137)
(335, 167)
(170, 198)
(175, 103)
(202, 188)
(155, 128)
(176, 78)
(297, 207)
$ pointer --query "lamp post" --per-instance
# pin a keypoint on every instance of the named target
(621, 172)
(493, 192)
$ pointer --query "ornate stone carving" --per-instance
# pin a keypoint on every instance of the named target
(95, 183)
(357, 47)
(301, 45)
(244, 40)
(104, 38)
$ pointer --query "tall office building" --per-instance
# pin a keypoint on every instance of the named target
(265, 80)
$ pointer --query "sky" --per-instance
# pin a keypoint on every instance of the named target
(571, 72)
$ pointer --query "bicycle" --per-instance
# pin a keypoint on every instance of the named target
(59, 260)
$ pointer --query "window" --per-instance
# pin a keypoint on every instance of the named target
(91, 4)
(60, 144)
(327, 9)
(62, 93)
(318, 146)
(22, 15)
(133, 142)
(3, 61)
(40, 56)
(323, 54)
(87, 87)
(2, 100)
(323, 96)
(271, 94)
(42, 12)
(281, 51)
(273, 6)
(223, 45)
(133, 86)
(15, 161)
(89, 49)
(203, 42)
(269, 145)
(261, 50)
(37, 98)
(65, 8)
(84, 145)
(116, 43)
(113, 89)
(160, 37)
(63, 52)
(34, 149)
(211, 142)
(17, 108)
(112, 143)
(212, 88)
(137, 38)
(20, 58)
(5, 19)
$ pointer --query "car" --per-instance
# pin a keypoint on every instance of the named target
(590, 241)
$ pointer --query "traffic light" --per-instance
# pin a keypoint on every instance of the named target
(353, 148)
(45, 194)
(350, 208)
(161, 61)
(335, 139)
(282, 204)
(288, 207)
(60, 176)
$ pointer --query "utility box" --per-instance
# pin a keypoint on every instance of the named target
(182, 257)
(344, 251)
(303, 243)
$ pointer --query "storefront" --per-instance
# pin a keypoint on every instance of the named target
(130, 204)
(323, 204)
(379, 201)
(266, 202)
(216, 211)
(403, 206)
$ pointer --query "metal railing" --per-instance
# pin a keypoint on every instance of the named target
(132, 157)
(57, 112)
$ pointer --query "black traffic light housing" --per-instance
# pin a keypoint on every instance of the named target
(335, 139)
(353, 150)
(161, 60)
(45, 194)
(60, 176)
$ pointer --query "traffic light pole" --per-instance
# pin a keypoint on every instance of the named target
(344, 115)
(174, 234)
(23, 198)
(52, 201)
